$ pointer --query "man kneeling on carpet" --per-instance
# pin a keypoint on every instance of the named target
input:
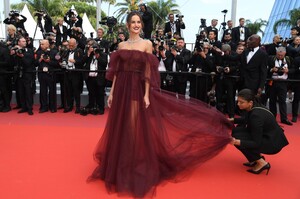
(256, 133)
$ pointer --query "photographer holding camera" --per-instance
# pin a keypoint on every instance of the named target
(173, 26)
(95, 59)
(46, 62)
(5, 80)
(14, 19)
(279, 68)
(103, 43)
(47, 28)
(177, 61)
(121, 38)
(147, 20)
(73, 20)
(23, 62)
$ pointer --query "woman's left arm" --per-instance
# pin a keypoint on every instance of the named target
(147, 84)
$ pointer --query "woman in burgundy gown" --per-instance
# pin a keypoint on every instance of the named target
(150, 135)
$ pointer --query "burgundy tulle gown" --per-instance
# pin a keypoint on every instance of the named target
(142, 147)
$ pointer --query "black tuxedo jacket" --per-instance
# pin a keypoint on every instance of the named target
(78, 57)
(265, 132)
(102, 63)
(289, 61)
(254, 73)
(210, 28)
(235, 34)
(60, 36)
(179, 26)
(181, 63)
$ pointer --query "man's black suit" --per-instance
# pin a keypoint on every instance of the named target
(296, 87)
(4, 78)
(179, 26)
(181, 59)
(235, 34)
(95, 84)
(210, 28)
(254, 73)
(262, 134)
(60, 36)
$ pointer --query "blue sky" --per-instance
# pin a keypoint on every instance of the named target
(194, 10)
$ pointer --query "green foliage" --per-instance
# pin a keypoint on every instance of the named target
(294, 16)
(256, 26)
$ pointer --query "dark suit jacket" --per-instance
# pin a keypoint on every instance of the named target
(254, 73)
(235, 34)
(265, 132)
(179, 26)
(60, 36)
(181, 63)
(102, 63)
(271, 64)
(210, 28)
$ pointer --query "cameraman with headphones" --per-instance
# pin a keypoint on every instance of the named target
(24, 66)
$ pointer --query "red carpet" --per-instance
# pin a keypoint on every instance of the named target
(49, 156)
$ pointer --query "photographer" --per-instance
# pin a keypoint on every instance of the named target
(73, 79)
(4, 78)
(61, 32)
(177, 61)
(95, 60)
(23, 66)
(277, 41)
(173, 26)
(14, 19)
(46, 62)
(147, 20)
(227, 63)
(201, 61)
(73, 20)
(11, 39)
(213, 27)
(79, 36)
(279, 68)
(103, 43)
(121, 38)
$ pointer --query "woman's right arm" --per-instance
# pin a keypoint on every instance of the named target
(110, 97)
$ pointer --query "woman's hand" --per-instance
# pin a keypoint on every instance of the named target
(109, 100)
(147, 101)
(235, 141)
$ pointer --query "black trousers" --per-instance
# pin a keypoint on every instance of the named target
(295, 104)
(47, 91)
(278, 93)
(60, 78)
(4, 91)
(252, 154)
(96, 92)
(225, 95)
(73, 88)
(24, 85)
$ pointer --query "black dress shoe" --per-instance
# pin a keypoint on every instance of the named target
(68, 110)
(101, 112)
(43, 111)
(5, 110)
(53, 111)
(17, 107)
(294, 119)
(22, 111)
(77, 110)
(287, 122)
(30, 112)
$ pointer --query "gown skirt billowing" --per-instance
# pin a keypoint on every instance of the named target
(142, 147)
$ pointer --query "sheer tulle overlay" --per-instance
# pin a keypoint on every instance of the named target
(142, 147)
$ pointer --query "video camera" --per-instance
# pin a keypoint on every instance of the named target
(200, 40)
(72, 13)
(18, 50)
(14, 13)
(108, 21)
(39, 13)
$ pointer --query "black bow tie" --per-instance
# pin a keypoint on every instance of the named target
(71, 51)
(251, 49)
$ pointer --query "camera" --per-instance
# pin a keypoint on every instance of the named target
(46, 54)
(39, 13)
(221, 69)
(280, 71)
(203, 23)
(200, 40)
(14, 13)
(21, 51)
(179, 16)
(109, 21)
(71, 13)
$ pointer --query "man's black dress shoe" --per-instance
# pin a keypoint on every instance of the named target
(77, 110)
(22, 111)
(17, 107)
(5, 110)
(53, 111)
(43, 111)
(294, 119)
(30, 112)
(60, 107)
(287, 122)
(68, 110)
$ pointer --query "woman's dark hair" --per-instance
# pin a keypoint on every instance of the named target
(133, 13)
(249, 95)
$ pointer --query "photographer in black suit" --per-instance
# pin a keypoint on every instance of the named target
(14, 19)
(73, 20)
(61, 32)
(147, 20)
(279, 68)
(24, 66)
(46, 62)
(95, 59)
(4, 78)
(177, 61)
(173, 26)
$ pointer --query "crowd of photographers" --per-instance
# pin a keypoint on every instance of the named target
(221, 63)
